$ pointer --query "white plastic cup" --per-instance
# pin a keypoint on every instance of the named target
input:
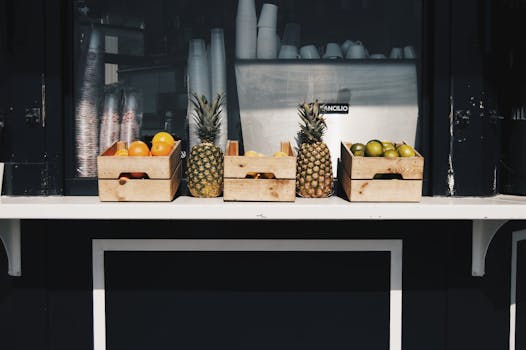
(333, 51)
(269, 16)
(246, 37)
(409, 52)
(356, 51)
(288, 52)
(346, 45)
(396, 53)
(309, 52)
(197, 48)
(246, 8)
(266, 44)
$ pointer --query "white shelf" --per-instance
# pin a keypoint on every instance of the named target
(430, 208)
(487, 214)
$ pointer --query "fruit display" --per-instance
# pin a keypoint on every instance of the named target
(381, 171)
(205, 163)
(139, 173)
(314, 176)
(162, 145)
(386, 149)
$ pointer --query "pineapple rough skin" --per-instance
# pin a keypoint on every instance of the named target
(314, 177)
(205, 171)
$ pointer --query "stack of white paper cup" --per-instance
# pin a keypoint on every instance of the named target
(268, 42)
(246, 29)
(198, 81)
(268, 17)
(218, 80)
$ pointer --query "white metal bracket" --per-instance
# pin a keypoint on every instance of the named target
(10, 237)
(483, 233)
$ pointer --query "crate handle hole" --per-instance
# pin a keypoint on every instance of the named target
(123, 177)
(388, 177)
(253, 175)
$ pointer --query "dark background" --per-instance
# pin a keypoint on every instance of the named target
(471, 75)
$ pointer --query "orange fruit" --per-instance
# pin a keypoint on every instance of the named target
(161, 149)
(121, 152)
(138, 175)
(138, 149)
(163, 136)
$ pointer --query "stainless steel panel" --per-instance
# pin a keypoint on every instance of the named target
(383, 97)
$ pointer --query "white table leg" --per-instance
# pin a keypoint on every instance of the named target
(483, 233)
(10, 237)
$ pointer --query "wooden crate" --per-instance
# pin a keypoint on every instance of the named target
(280, 188)
(164, 176)
(357, 177)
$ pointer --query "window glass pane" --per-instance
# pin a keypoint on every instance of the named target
(133, 69)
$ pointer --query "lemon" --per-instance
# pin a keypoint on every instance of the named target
(388, 145)
(251, 154)
(374, 148)
(406, 151)
(280, 154)
(391, 153)
(357, 147)
(359, 153)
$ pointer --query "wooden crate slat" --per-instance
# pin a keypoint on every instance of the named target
(385, 190)
(258, 190)
(238, 166)
(140, 190)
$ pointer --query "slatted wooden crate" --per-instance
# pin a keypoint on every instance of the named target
(116, 185)
(238, 186)
(357, 175)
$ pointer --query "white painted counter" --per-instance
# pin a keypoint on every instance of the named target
(487, 214)
(501, 207)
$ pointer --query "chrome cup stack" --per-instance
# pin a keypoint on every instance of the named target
(86, 111)
(131, 116)
(110, 120)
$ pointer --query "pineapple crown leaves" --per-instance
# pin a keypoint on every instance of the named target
(207, 116)
(312, 125)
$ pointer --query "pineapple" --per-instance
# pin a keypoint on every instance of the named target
(205, 164)
(314, 177)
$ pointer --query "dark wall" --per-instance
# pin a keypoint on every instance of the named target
(444, 307)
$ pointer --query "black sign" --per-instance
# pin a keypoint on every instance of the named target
(334, 108)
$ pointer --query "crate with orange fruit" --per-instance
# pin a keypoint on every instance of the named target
(140, 173)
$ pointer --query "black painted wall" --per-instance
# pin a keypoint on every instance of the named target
(444, 307)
